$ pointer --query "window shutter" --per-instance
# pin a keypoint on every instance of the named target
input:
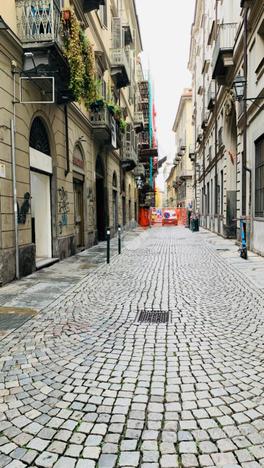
(116, 33)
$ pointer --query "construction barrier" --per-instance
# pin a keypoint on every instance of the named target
(158, 214)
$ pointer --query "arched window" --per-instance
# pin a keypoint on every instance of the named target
(78, 157)
(39, 139)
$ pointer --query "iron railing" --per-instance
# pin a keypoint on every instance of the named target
(100, 118)
(39, 21)
(119, 59)
(225, 40)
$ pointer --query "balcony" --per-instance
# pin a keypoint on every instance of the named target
(40, 31)
(223, 52)
(120, 69)
(138, 121)
(104, 126)
(130, 157)
(211, 96)
(39, 21)
(90, 5)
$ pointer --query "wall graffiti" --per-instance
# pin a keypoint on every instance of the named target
(63, 207)
(24, 209)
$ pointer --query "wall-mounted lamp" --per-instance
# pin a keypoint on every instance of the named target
(239, 86)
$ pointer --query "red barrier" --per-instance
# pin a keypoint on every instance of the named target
(158, 213)
(144, 217)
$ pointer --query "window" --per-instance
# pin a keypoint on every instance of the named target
(259, 178)
(103, 14)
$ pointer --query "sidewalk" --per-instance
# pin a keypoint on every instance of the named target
(253, 268)
(22, 299)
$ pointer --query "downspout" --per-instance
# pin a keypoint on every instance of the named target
(204, 198)
(66, 123)
(250, 214)
(215, 122)
(13, 150)
(150, 133)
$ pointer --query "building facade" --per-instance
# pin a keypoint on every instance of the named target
(183, 173)
(68, 127)
(227, 42)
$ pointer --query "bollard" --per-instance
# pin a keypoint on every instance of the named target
(119, 239)
(108, 245)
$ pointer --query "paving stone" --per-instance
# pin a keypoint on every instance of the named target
(129, 458)
(189, 460)
(169, 461)
(46, 459)
(187, 447)
(64, 462)
(107, 461)
(92, 452)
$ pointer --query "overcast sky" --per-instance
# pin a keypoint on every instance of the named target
(165, 29)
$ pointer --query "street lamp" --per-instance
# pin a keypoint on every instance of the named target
(239, 86)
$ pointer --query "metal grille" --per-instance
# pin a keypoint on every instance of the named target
(153, 316)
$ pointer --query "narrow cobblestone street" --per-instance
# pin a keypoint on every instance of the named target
(85, 384)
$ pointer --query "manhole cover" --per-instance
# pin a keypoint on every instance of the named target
(153, 316)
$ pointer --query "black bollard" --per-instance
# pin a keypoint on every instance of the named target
(108, 245)
(119, 239)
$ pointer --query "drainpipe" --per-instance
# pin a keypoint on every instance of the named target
(250, 213)
(203, 116)
(66, 123)
(215, 120)
(13, 151)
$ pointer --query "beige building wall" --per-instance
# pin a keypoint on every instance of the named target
(183, 139)
(80, 135)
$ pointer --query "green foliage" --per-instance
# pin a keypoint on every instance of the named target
(80, 55)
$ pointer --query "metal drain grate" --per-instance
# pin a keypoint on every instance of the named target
(153, 316)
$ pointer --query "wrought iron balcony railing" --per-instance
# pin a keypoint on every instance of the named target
(119, 60)
(39, 21)
(222, 55)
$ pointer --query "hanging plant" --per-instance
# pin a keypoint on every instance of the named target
(74, 55)
(80, 55)
(122, 125)
(90, 85)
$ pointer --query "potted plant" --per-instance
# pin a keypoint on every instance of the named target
(97, 105)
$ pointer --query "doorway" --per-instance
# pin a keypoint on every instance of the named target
(41, 214)
(40, 181)
(100, 200)
(78, 212)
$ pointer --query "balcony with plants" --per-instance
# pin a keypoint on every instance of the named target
(55, 44)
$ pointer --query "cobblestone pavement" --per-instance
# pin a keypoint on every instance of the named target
(84, 384)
